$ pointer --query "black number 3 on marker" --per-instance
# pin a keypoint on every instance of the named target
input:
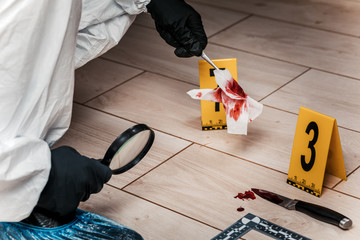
(307, 166)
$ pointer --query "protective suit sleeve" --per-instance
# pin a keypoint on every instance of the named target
(37, 61)
(133, 7)
(24, 170)
(37, 42)
(103, 23)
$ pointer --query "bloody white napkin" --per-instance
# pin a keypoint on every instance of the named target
(240, 109)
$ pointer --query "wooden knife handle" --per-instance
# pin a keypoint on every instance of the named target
(323, 214)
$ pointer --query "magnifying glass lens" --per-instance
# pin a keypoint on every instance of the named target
(130, 149)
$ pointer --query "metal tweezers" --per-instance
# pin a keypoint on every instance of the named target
(206, 58)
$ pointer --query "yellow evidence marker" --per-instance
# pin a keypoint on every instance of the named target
(213, 113)
(316, 149)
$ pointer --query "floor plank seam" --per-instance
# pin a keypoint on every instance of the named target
(155, 167)
(285, 61)
(137, 75)
(286, 111)
(349, 129)
(152, 72)
(167, 208)
(291, 80)
(242, 159)
(347, 194)
(276, 19)
(333, 188)
(108, 113)
(220, 7)
(142, 25)
(129, 120)
(235, 49)
(308, 26)
(350, 173)
(231, 25)
(103, 57)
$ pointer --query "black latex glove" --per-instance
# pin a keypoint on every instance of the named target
(72, 179)
(179, 25)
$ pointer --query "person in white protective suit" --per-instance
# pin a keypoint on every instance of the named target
(42, 43)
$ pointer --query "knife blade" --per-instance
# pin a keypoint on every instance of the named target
(321, 213)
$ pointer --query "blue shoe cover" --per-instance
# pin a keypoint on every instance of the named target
(86, 225)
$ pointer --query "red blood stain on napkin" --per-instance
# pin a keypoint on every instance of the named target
(233, 88)
(240, 109)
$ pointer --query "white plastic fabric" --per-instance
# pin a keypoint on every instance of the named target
(42, 42)
(240, 109)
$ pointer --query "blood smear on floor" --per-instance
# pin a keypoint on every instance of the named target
(240, 209)
(242, 196)
(246, 195)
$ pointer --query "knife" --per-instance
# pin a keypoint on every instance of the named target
(315, 211)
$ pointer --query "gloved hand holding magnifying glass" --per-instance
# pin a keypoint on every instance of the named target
(179, 25)
(74, 177)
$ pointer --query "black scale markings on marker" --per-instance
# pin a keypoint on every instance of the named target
(249, 222)
(217, 105)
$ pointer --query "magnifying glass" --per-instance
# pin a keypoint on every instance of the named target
(129, 148)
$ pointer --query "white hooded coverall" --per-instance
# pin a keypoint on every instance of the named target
(42, 42)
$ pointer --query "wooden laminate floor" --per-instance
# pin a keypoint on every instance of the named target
(289, 54)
